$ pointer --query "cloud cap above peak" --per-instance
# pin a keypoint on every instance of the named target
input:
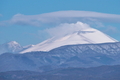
(67, 28)
(62, 17)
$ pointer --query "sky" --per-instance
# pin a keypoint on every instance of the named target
(31, 21)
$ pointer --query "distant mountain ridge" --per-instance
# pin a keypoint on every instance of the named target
(93, 73)
(82, 55)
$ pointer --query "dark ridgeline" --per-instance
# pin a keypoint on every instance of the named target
(94, 73)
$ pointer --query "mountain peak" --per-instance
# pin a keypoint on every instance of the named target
(85, 36)
(11, 46)
(13, 42)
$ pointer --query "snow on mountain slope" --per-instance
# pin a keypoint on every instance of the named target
(28, 46)
(85, 36)
(12, 46)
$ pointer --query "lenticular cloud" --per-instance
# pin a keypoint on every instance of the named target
(61, 17)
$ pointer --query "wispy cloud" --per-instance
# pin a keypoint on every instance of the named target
(66, 28)
(62, 17)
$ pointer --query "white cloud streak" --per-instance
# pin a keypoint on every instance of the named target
(62, 17)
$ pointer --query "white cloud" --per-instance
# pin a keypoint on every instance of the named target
(66, 28)
(63, 17)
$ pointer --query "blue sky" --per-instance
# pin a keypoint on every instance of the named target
(30, 34)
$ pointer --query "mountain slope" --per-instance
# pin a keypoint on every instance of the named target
(12, 46)
(86, 36)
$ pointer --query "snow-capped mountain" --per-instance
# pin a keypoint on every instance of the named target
(12, 46)
(85, 36)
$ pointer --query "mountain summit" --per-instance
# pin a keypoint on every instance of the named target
(84, 36)
(12, 46)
